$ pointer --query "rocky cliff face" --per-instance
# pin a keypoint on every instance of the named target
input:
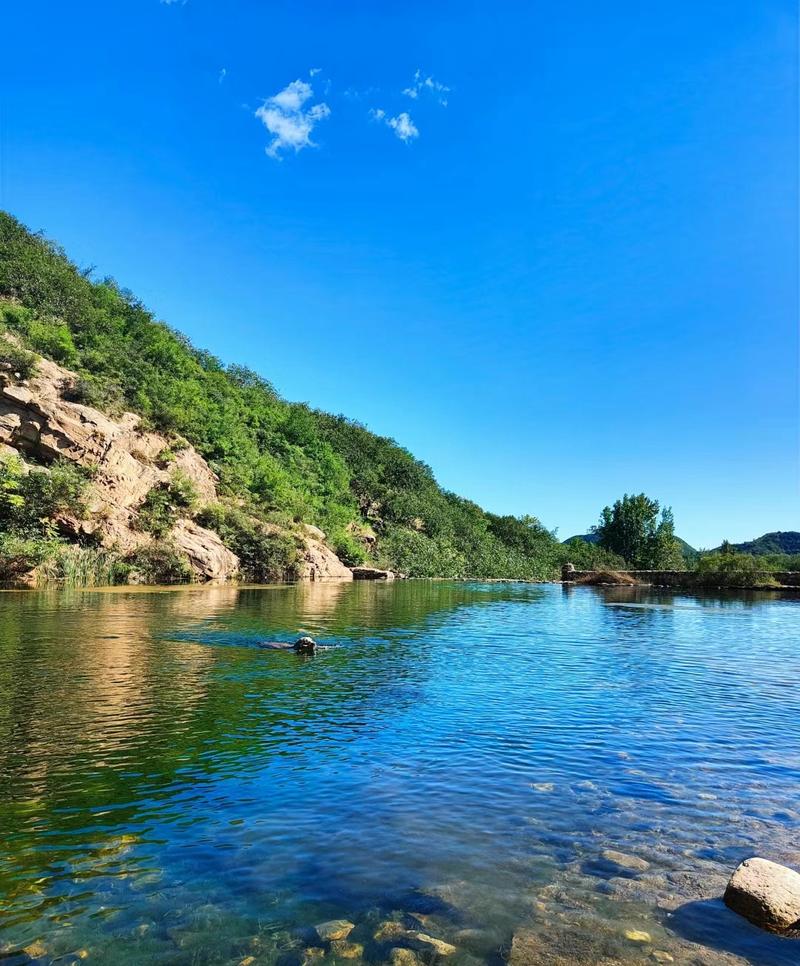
(36, 419)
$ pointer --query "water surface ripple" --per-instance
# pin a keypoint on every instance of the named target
(458, 759)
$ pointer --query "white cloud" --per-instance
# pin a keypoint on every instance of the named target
(428, 85)
(402, 125)
(288, 120)
(222, 75)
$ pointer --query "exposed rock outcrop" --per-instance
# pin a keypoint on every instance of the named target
(37, 419)
(372, 573)
(207, 554)
(767, 894)
(317, 561)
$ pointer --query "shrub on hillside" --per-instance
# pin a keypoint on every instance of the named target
(31, 499)
(732, 570)
(265, 553)
(15, 360)
(165, 503)
(158, 563)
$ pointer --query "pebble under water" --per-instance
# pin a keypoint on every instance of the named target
(525, 773)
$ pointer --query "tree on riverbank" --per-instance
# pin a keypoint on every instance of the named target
(632, 529)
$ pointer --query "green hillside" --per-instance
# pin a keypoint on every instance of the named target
(280, 461)
(777, 542)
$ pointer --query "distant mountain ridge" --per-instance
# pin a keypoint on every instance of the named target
(778, 541)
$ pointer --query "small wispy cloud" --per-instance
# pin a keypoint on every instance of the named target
(288, 120)
(402, 125)
(222, 75)
(173, 3)
(422, 85)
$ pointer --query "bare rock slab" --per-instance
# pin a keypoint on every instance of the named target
(621, 860)
(334, 930)
(766, 893)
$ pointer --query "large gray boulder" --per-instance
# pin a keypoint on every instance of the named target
(766, 893)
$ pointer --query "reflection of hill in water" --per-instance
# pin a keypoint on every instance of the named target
(109, 696)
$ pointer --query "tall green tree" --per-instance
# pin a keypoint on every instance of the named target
(632, 529)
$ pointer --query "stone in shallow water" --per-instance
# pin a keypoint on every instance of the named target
(425, 943)
(402, 957)
(637, 936)
(631, 863)
(568, 947)
(661, 956)
(389, 930)
(346, 950)
(334, 929)
(766, 893)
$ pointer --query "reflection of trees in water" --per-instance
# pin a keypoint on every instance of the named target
(101, 707)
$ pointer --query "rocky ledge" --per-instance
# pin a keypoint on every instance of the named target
(38, 420)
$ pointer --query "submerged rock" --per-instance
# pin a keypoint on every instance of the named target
(347, 950)
(389, 930)
(766, 893)
(334, 929)
(630, 863)
(425, 943)
(398, 956)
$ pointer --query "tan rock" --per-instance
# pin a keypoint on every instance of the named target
(389, 930)
(398, 956)
(125, 461)
(343, 949)
(334, 929)
(319, 562)
(637, 936)
(426, 943)
(372, 573)
(207, 554)
(37, 420)
(766, 893)
(662, 956)
(631, 863)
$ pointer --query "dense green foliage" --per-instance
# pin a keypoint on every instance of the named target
(30, 500)
(632, 529)
(33, 502)
(732, 569)
(165, 503)
(777, 543)
(265, 553)
(284, 460)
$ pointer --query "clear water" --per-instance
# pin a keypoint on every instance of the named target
(462, 754)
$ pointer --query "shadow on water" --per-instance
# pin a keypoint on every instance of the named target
(709, 922)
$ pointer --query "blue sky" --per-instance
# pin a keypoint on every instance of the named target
(551, 248)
